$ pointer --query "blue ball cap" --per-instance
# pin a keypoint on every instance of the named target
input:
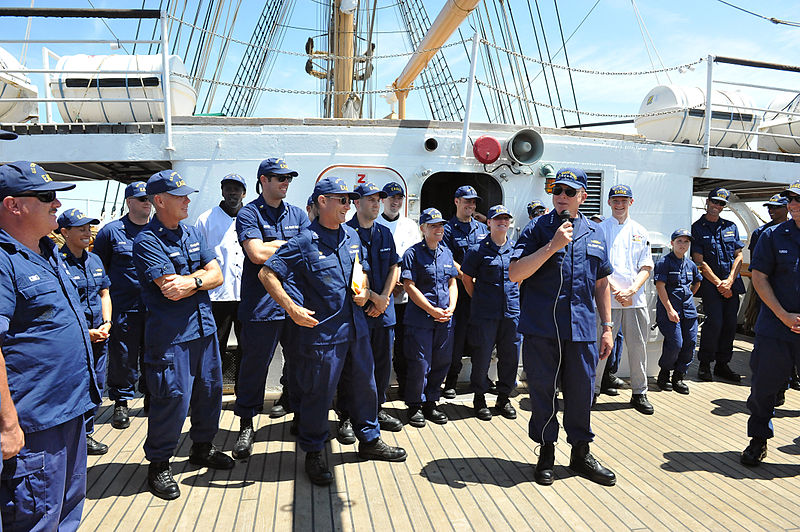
(137, 189)
(169, 181)
(21, 177)
(75, 218)
(681, 232)
(332, 185)
(498, 210)
(368, 189)
(431, 216)
(394, 188)
(794, 188)
(777, 201)
(572, 177)
(721, 194)
(620, 191)
(310, 200)
(467, 192)
(235, 178)
(274, 165)
(534, 205)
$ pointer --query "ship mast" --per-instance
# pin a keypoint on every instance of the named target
(343, 49)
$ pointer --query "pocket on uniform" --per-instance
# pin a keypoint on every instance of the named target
(162, 380)
(23, 489)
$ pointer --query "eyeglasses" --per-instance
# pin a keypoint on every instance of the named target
(281, 177)
(793, 197)
(344, 200)
(718, 202)
(558, 190)
(48, 196)
(143, 199)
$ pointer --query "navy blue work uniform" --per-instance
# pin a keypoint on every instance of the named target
(494, 315)
(114, 245)
(459, 237)
(90, 278)
(428, 343)
(51, 377)
(757, 234)
(567, 346)
(181, 358)
(381, 255)
(320, 261)
(680, 339)
(776, 348)
(717, 242)
(263, 320)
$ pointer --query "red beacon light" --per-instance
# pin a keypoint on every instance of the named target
(487, 149)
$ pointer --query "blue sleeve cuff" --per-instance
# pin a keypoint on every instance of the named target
(159, 270)
(278, 266)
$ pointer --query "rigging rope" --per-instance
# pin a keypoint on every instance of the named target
(566, 58)
(770, 19)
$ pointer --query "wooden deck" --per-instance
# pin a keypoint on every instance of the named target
(677, 469)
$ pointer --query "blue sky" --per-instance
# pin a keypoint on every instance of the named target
(609, 39)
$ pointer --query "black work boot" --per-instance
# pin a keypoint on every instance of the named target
(120, 419)
(449, 391)
(543, 474)
(610, 383)
(505, 408)
(663, 381)
(415, 416)
(482, 411)
(244, 442)
(432, 413)
(161, 482)
(755, 453)
(388, 422)
(377, 449)
(780, 397)
(94, 447)
(204, 454)
(724, 372)
(279, 408)
(678, 385)
(317, 470)
(344, 433)
(641, 404)
(704, 372)
(583, 463)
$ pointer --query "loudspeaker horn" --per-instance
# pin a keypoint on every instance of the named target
(525, 147)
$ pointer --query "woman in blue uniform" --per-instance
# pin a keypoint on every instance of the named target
(86, 270)
(677, 279)
(494, 314)
(428, 276)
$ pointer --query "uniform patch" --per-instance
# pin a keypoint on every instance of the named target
(33, 278)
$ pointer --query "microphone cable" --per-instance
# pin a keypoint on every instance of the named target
(565, 215)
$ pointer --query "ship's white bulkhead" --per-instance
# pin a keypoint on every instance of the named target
(103, 86)
(683, 116)
(15, 85)
(781, 124)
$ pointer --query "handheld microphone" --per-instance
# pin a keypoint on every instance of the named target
(565, 215)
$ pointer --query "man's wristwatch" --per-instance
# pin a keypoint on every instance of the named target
(607, 324)
(198, 282)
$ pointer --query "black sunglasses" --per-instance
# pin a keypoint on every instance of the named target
(48, 196)
(558, 190)
(344, 200)
(719, 202)
(793, 197)
(143, 199)
(281, 177)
